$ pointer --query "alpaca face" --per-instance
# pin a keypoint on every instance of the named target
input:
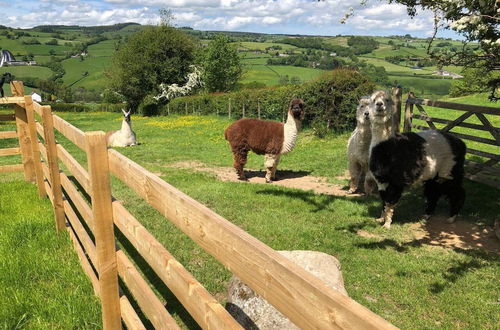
(297, 109)
(126, 115)
(363, 111)
(381, 107)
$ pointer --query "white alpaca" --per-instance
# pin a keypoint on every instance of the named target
(358, 147)
(381, 111)
(125, 136)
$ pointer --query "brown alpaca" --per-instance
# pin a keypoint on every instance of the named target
(264, 137)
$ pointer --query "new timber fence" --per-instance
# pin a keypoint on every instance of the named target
(91, 224)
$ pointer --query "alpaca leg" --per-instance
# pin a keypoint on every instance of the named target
(390, 195)
(387, 215)
(275, 168)
(432, 192)
(456, 196)
(370, 185)
(269, 163)
(355, 173)
(240, 159)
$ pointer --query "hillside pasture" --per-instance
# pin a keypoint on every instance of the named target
(398, 273)
(33, 71)
(270, 74)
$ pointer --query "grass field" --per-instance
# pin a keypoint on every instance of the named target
(391, 272)
(28, 71)
(42, 285)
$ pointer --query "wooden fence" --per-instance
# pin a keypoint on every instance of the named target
(299, 295)
(483, 171)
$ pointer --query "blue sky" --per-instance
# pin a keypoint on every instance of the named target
(268, 16)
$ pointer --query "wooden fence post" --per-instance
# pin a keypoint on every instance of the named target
(35, 149)
(408, 112)
(396, 117)
(186, 108)
(258, 108)
(98, 166)
(22, 128)
(229, 109)
(168, 109)
(55, 179)
(243, 111)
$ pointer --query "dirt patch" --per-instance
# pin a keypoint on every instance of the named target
(461, 234)
(289, 179)
(434, 232)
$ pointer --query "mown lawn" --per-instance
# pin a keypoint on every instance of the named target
(407, 281)
(42, 285)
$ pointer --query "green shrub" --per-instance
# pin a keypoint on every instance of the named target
(330, 99)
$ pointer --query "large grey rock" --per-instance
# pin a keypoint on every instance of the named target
(254, 312)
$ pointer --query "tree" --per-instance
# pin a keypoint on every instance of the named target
(475, 80)
(154, 56)
(222, 67)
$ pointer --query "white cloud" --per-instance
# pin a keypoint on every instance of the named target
(273, 16)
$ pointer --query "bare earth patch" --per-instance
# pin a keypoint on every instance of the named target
(289, 179)
(434, 232)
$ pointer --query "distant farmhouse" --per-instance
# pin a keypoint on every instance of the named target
(441, 72)
(9, 59)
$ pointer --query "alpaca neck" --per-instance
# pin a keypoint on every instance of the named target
(126, 128)
(380, 132)
(291, 130)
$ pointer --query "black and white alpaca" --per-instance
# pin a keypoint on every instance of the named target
(433, 158)
(125, 136)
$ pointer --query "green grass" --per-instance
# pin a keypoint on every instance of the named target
(42, 285)
(270, 74)
(28, 71)
(393, 274)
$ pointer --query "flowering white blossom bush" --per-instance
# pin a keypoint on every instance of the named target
(172, 91)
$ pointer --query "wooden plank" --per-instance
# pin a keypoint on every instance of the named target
(43, 150)
(73, 134)
(478, 167)
(38, 108)
(7, 117)
(494, 132)
(80, 231)
(39, 129)
(430, 123)
(204, 309)
(55, 180)
(8, 135)
(303, 298)
(408, 113)
(420, 127)
(49, 192)
(23, 134)
(457, 121)
(474, 138)
(74, 168)
(456, 106)
(81, 205)
(17, 89)
(446, 121)
(396, 117)
(84, 261)
(12, 100)
(129, 316)
(35, 149)
(102, 212)
(46, 172)
(149, 303)
(10, 151)
(11, 168)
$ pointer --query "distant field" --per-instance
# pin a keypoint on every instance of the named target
(270, 74)
(422, 86)
(28, 71)
(98, 59)
(264, 45)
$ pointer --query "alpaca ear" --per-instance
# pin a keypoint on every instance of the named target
(124, 113)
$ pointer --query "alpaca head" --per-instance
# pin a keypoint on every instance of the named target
(381, 107)
(126, 115)
(297, 109)
(363, 111)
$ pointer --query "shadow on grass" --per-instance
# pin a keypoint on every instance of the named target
(280, 175)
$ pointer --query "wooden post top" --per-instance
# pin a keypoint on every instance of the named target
(17, 88)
